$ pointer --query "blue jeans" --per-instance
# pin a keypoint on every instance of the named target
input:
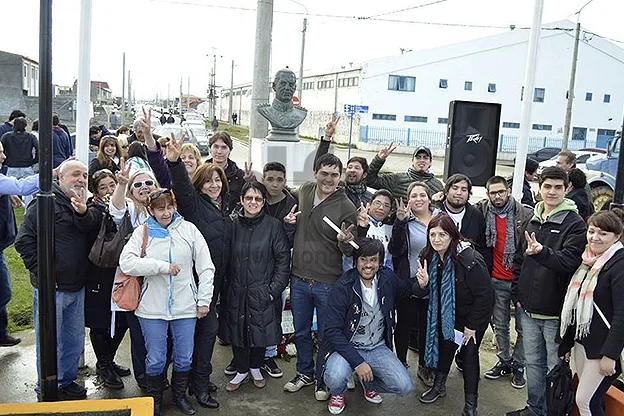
(500, 321)
(70, 334)
(540, 353)
(389, 374)
(155, 334)
(304, 297)
(5, 295)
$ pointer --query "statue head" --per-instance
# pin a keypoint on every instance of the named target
(284, 85)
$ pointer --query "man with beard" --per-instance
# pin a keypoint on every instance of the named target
(397, 183)
(505, 222)
(357, 168)
(72, 223)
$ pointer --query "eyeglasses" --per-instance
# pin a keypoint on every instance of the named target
(140, 184)
(124, 147)
(378, 203)
(101, 172)
(253, 198)
(502, 192)
(160, 192)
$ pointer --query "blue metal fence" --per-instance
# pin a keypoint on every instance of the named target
(437, 139)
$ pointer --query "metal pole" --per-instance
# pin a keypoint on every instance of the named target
(83, 94)
(45, 211)
(568, 114)
(214, 86)
(258, 127)
(300, 83)
(527, 102)
(180, 103)
(618, 194)
(240, 106)
(129, 92)
(123, 89)
(350, 132)
(188, 93)
(231, 103)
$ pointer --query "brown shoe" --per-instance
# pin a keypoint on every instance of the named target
(259, 383)
(234, 386)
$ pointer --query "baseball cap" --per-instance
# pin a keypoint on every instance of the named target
(420, 149)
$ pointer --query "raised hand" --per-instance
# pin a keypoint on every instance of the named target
(79, 201)
(422, 275)
(291, 217)
(174, 149)
(330, 127)
(346, 233)
(362, 219)
(385, 151)
(249, 175)
(533, 246)
(146, 128)
(403, 210)
(123, 176)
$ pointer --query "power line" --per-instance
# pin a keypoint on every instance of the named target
(603, 37)
(408, 8)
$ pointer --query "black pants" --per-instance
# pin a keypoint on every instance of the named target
(470, 354)
(205, 336)
(411, 312)
(137, 347)
(247, 357)
(121, 327)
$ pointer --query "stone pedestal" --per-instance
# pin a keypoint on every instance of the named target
(297, 157)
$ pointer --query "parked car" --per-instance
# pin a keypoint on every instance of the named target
(601, 171)
(202, 135)
(166, 129)
(581, 159)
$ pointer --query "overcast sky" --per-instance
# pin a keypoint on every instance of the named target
(165, 40)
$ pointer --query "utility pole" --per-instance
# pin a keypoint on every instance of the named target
(568, 114)
(130, 92)
(188, 93)
(83, 93)
(180, 103)
(123, 89)
(300, 83)
(258, 127)
(214, 86)
(231, 101)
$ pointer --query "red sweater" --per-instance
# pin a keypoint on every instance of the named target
(498, 270)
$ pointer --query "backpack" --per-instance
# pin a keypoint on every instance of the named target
(560, 390)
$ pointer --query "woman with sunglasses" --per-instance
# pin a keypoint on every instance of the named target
(98, 290)
(108, 156)
(461, 300)
(200, 201)
(260, 270)
(172, 299)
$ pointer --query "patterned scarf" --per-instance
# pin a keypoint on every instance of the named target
(490, 230)
(419, 176)
(358, 190)
(441, 302)
(578, 305)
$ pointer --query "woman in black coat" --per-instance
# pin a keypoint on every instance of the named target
(200, 201)
(260, 270)
(461, 300)
(98, 290)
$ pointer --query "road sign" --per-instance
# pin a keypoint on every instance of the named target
(296, 101)
(361, 109)
(354, 108)
(349, 109)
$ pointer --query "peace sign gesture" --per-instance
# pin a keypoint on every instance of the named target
(330, 127)
(146, 127)
(249, 175)
(422, 275)
(403, 210)
(345, 235)
(385, 151)
(174, 149)
(533, 246)
(79, 201)
(362, 218)
(123, 176)
(291, 217)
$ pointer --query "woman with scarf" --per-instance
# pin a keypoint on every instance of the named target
(592, 319)
(455, 277)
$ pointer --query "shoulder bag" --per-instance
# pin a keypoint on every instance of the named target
(127, 289)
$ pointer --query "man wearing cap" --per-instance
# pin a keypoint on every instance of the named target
(397, 183)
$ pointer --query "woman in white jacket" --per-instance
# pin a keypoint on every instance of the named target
(171, 298)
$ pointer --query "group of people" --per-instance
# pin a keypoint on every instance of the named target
(216, 248)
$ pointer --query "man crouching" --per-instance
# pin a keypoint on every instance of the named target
(358, 329)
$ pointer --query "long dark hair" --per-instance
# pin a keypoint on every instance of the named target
(445, 222)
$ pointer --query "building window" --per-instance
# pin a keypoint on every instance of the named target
(442, 120)
(543, 127)
(401, 83)
(387, 117)
(538, 95)
(467, 85)
(348, 82)
(25, 71)
(308, 85)
(522, 93)
(491, 87)
(606, 98)
(589, 96)
(510, 125)
(443, 83)
(329, 83)
(416, 119)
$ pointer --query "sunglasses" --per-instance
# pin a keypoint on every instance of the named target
(101, 172)
(140, 184)
(160, 192)
(253, 198)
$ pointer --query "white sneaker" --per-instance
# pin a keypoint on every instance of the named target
(351, 382)
(321, 395)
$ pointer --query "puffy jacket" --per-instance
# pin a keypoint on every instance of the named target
(260, 270)
(61, 146)
(164, 296)
(540, 281)
(397, 183)
(582, 201)
(71, 241)
(236, 180)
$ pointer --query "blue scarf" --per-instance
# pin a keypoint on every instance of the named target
(440, 299)
(155, 230)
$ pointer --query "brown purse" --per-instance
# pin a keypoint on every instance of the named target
(127, 289)
(110, 241)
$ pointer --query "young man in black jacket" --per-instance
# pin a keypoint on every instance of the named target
(551, 252)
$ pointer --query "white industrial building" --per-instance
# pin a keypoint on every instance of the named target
(408, 95)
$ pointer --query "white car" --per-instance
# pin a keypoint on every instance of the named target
(581, 159)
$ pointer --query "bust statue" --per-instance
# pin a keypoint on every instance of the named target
(281, 113)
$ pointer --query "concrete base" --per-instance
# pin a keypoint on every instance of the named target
(297, 157)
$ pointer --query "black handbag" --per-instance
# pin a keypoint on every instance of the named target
(110, 241)
(560, 390)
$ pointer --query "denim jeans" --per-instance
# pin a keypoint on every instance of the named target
(501, 317)
(155, 334)
(5, 295)
(70, 334)
(540, 353)
(389, 374)
(304, 297)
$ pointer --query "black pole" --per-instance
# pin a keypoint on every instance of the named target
(45, 213)
(618, 193)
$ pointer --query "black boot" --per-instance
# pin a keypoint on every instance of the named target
(179, 384)
(438, 390)
(155, 387)
(203, 396)
(104, 366)
(470, 405)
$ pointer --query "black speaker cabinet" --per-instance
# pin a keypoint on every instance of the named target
(472, 140)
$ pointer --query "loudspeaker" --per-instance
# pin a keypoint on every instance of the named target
(472, 140)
